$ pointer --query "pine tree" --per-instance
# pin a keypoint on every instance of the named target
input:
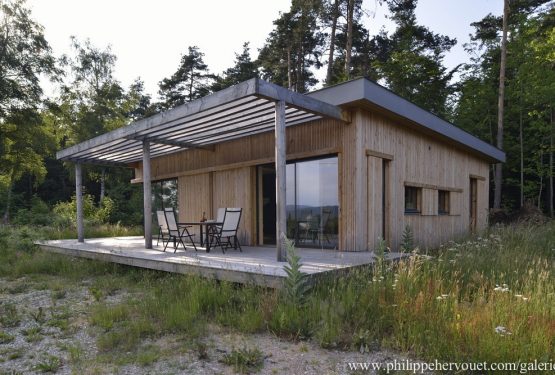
(243, 69)
(294, 47)
(191, 80)
(411, 61)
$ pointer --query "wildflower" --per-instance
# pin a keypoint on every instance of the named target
(500, 330)
(504, 288)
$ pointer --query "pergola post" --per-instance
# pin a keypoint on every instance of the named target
(281, 219)
(79, 202)
(147, 195)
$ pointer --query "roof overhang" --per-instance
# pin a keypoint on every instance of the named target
(242, 110)
(365, 92)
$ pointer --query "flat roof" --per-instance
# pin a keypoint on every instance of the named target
(364, 90)
(242, 110)
(248, 108)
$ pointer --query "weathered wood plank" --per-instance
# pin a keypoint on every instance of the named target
(229, 94)
(280, 152)
(147, 195)
(79, 202)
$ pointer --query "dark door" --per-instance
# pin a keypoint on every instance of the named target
(473, 203)
(267, 205)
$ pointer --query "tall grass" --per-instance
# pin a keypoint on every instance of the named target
(488, 298)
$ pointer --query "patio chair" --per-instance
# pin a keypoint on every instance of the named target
(163, 231)
(177, 232)
(307, 228)
(320, 231)
(228, 231)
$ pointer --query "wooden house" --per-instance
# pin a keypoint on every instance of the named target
(342, 167)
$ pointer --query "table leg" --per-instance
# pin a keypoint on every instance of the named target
(201, 236)
(207, 240)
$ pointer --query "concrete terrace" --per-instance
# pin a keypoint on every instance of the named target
(255, 265)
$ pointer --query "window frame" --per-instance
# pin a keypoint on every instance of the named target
(443, 205)
(418, 196)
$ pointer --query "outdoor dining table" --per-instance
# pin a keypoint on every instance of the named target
(208, 224)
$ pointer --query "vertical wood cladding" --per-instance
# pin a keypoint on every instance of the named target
(226, 176)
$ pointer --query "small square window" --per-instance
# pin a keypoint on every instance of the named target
(443, 202)
(412, 199)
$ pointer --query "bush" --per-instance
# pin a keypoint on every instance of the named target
(67, 211)
(37, 214)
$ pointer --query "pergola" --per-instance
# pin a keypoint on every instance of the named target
(248, 108)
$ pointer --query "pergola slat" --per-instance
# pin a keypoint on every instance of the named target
(239, 106)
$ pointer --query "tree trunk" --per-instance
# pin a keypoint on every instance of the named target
(541, 181)
(6, 218)
(289, 78)
(191, 83)
(521, 141)
(500, 106)
(551, 167)
(349, 45)
(335, 16)
(102, 185)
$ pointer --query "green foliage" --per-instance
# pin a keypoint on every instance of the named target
(106, 316)
(293, 47)
(38, 214)
(296, 285)
(49, 363)
(407, 240)
(32, 334)
(25, 56)
(38, 316)
(244, 69)
(245, 360)
(191, 80)
(67, 211)
(5, 338)
(410, 60)
(9, 316)
(446, 307)
(529, 92)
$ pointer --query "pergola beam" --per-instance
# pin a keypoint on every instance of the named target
(236, 102)
(170, 142)
(219, 98)
(300, 101)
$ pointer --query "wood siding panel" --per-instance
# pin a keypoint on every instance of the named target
(236, 188)
(455, 203)
(417, 158)
(429, 202)
(375, 201)
(194, 197)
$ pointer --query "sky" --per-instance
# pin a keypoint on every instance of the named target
(149, 37)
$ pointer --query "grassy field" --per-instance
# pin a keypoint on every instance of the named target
(489, 298)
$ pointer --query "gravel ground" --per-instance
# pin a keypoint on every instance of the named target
(51, 331)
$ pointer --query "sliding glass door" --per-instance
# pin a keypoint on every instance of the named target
(312, 198)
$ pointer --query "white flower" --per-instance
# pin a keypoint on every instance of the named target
(500, 330)
(502, 289)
